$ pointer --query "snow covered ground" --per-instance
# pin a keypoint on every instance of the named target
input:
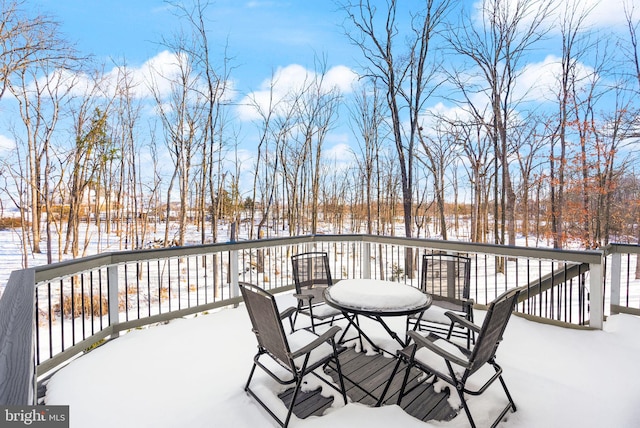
(191, 373)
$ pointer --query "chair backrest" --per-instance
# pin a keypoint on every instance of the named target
(493, 327)
(266, 322)
(446, 276)
(311, 269)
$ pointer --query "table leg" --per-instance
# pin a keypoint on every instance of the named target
(353, 321)
(415, 327)
(392, 333)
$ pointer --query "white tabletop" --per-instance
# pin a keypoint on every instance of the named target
(377, 295)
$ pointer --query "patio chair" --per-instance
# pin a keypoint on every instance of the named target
(310, 351)
(459, 366)
(312, 275)
(447, 279)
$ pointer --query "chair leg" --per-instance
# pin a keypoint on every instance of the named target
(405, 380)
(293, 402)
(313, 324)
(293, 321)
(253, 369)
(386, 387)
(459, 389)
(255, 396)
(340, 378)
(506, 391)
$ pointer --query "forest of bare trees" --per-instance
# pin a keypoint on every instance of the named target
(447, 140)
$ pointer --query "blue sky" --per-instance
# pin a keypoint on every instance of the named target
(261, 35)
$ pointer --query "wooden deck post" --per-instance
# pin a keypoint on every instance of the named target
(234, 272)
(365, 260)
(616, 270)
(17, 343)
(596, 309)
(114, 298)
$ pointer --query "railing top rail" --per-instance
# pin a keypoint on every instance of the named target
(72, 267)
(582, 256)
(622, 248)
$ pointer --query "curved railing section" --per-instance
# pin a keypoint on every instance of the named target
(50, 314)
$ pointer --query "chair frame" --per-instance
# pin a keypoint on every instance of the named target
(309, 290)
(489, 337)
(455, 296)
(267, 325)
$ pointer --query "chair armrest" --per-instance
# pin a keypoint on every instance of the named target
(329, 334)
(456, 318)
(307, 297)
(287, 312)
(423, 342)
(468, 302)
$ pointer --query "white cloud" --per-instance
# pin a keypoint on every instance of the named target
(340, 77)
(6, 144)
(540, 81)
(608, 14)
(276, 91)
(339, 153)
(602, 14)
(157, 71)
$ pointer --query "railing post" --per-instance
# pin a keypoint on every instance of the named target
(17, 341)
(616, 272)
(596, 315)
(234, 272)
(365, 260)
(114, 309)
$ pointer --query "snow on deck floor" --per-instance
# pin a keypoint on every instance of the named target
(192, 372)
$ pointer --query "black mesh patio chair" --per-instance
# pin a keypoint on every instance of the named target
(459, 366)
(310, 352)
(312, 275)
(447, 279)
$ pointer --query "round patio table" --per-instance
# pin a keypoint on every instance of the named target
(375, 299)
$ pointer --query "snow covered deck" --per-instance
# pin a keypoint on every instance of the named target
(191, 372)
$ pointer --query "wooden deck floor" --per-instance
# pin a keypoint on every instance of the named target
(372, 374)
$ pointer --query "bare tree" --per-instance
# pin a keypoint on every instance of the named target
(317, 108)
(90, 132)
(274, 124)
(214, 89)
(633, 54)
(571, 27)
(495, 47)
(32, 55)
(180, 113)
(367, 123)
(408, 77)
(40, 92)
(26, 40)
(123, 195)
(528, 143)
(438, 152)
